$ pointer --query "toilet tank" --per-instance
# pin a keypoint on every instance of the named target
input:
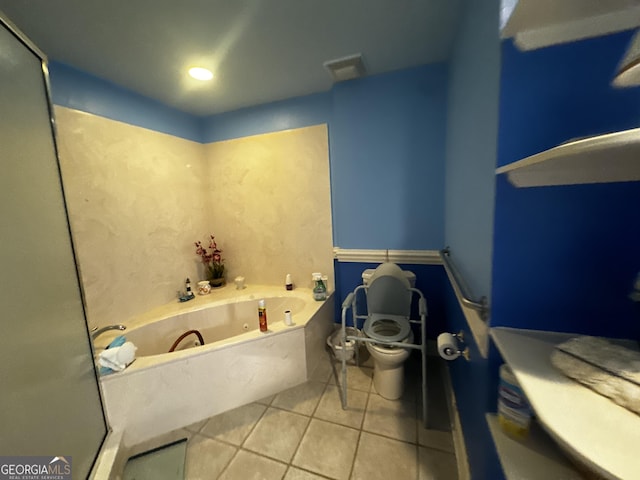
(366, 276)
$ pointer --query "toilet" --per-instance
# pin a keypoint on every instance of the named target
(389, 309)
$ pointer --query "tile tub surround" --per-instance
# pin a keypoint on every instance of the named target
(160, 393)
(138, 199)
(303, 433)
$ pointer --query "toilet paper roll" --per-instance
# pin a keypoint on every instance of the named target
(287, 318)
(448, 346)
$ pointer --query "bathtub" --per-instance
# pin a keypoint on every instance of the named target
(161, 391)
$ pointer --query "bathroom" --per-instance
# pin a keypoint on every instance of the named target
(559, 258)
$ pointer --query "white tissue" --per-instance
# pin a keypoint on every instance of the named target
(448, 346)
(117, 358)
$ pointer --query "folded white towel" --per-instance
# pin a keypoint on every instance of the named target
(117, 358)
(611, 370)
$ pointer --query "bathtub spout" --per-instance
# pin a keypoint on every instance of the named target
(98, 331)
(185, 334)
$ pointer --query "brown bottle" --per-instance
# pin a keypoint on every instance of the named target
(262, 316)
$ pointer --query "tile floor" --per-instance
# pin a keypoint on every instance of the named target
(304, 434)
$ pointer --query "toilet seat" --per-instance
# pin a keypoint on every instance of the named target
(387, 328)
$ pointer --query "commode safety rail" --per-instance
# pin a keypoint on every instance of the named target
(351, 302)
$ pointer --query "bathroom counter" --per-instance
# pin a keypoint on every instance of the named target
(535, 458)
(599, 434)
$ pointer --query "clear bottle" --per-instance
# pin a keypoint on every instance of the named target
(319, 288)
(262, 315)
(514, 413)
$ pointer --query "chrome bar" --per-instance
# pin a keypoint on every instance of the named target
(461, 288)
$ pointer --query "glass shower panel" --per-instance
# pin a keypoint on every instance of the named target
(49, 397)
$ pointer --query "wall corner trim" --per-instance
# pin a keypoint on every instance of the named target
(418, 257)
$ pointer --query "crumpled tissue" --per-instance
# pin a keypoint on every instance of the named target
(117, 358)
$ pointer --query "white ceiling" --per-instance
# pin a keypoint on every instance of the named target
(260, 50)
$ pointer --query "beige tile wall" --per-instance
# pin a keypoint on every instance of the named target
(272, 204)
(138, 199)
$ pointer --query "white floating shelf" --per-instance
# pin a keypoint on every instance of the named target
(535, 458)
(612, 157)
(594, 431)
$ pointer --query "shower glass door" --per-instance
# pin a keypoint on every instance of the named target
(49, 397)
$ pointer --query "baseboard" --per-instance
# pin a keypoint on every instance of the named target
(456, 427)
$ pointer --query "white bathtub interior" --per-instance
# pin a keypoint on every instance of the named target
(161, 392)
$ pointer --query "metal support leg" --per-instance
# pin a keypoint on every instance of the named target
(423, 322)
(343, 387)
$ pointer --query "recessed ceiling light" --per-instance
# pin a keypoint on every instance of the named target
(200, 73)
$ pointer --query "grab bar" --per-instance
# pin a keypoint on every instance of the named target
(461, 289)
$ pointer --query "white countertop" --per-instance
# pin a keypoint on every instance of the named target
(536, 457)
(600, 434)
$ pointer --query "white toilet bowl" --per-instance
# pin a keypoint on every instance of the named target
(388, 368)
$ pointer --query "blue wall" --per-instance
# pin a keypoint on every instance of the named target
(387, 144)
(472, 131)
(272, 117)
(565, 257)
(78, 90)
(472, 137)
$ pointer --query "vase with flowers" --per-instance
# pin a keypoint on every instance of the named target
(213, 262)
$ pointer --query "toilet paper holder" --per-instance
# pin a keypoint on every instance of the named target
(463, 349)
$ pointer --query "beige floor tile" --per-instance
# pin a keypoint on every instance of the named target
(435, 439)
(327, 449)
(206, 458)
(436, 465)
(277, 434)
(249, 466)
(234, 426)
(300, 399)
(330, 407)
(383, 458)
(296, 474)
(358, 378)
(392, 418)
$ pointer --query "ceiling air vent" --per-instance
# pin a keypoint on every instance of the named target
(346, 68)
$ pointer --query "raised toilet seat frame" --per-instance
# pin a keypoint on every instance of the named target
(350, 302)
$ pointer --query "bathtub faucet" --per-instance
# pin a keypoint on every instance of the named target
(97, 331)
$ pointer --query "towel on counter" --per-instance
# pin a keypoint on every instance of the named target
(609, 369)
(117, 358)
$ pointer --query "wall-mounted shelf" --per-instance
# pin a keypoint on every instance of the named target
(612, 157)
(534, 458)
(599, 434)
(541, 23)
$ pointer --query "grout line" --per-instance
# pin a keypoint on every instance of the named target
(289, 465)
(229, 462)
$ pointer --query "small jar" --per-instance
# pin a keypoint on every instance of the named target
(204, 287)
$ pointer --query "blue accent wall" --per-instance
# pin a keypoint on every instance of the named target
(272, 117)
(565, 256)
(387, 144)
(472, 133)
(81, 91)
(472, 137)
